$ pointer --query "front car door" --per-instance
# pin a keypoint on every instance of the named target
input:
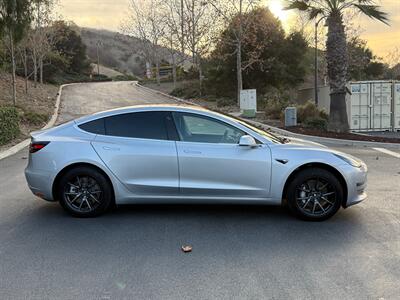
(213, 165)
(137, 149)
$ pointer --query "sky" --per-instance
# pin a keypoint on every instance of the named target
(108, 14)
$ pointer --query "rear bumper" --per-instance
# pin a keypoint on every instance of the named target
(40, 183)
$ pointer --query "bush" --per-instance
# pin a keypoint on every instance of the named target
(274, 109)
(309, 110)
(274, 103)
(190, 90)
(9, 124)
(316, 123)
(124, 78)
(34, 118)
(221, 102)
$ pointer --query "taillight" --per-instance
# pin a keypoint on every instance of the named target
(36, 146)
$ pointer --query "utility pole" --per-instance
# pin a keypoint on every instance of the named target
(316, 62)
(98, 43)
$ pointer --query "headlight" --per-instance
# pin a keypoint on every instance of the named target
(350, 160)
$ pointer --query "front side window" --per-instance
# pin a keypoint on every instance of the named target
(145, 125)
(202, 129)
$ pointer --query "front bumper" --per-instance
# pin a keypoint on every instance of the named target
(356, 179)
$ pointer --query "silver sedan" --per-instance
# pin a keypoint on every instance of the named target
(184, 154)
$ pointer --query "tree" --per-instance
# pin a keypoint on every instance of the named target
(336, 47)
(363, 63)
(146, 22)
(273, 59)
(238, 9)
(41, 35)
(175, 33)
(68, 44)
(15, 16)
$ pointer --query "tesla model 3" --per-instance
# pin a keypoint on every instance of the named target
(184, 154)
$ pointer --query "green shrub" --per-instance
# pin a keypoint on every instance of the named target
(309, 110)
(274, 102)
(34, 118)
(316, 123)
(9, 124)
(189, 90)
(221, 102)
(124, 78)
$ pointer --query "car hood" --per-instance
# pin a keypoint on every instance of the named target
(305, 143)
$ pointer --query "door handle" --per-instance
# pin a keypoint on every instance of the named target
(110, 148)
(192, 152)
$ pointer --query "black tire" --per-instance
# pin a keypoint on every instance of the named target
(314, 194)
(90, 184)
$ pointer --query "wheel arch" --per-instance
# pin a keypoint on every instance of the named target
(326, 167)
(76, 165)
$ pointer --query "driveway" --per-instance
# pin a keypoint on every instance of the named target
(239, 252)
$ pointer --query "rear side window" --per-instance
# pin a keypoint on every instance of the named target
(96, 126)
(144, 125)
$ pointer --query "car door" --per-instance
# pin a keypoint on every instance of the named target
(212, 164)
(137, 149)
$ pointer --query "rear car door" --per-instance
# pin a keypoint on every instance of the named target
(137, 149)
(213, 165)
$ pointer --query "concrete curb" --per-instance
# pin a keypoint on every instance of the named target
(18, 147)
(317, 139)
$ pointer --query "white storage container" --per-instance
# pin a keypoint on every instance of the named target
(359, 113)
(381, 105)
(370, 107)
(396, 106)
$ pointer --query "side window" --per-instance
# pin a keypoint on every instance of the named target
(95, 126)
(197, 128)
(144, 125)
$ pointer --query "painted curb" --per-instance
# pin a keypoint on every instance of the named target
(18, 147)
(317, 139)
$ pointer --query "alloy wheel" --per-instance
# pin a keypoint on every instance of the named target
(83, 194)
(316, 197)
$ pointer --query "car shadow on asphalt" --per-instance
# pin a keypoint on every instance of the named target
(163, 227)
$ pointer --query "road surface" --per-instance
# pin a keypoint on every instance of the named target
(239, 252)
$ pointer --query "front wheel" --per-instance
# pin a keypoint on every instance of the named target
(84, 192)
(314, 194)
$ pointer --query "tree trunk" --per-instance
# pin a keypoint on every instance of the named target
(200, 76)
(336, 54)
(239, 54)
(41, 70)
(35, 68)
(26, 71)
(158, 72)
(14, 81)
(239, 70)
(174, 69)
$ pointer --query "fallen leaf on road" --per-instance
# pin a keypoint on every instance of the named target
(186, 248)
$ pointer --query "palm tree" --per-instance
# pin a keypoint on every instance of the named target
(336, 47)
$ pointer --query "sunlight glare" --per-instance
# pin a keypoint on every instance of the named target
(276, 8)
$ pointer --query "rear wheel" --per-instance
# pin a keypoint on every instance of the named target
(84, 192)
(314, 194)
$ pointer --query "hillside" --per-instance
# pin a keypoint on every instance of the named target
(34, 108)
(117, 51)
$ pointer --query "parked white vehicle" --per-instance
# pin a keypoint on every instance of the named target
(184, 154)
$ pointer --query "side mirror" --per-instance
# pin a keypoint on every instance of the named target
(247, 140)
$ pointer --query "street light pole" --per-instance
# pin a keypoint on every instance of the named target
(98, 43)
(316, 61)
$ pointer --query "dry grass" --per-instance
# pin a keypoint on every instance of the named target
(38, 101)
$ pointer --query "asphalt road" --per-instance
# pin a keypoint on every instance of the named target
(239, 252)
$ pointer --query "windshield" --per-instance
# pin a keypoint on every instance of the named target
(270, 136)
